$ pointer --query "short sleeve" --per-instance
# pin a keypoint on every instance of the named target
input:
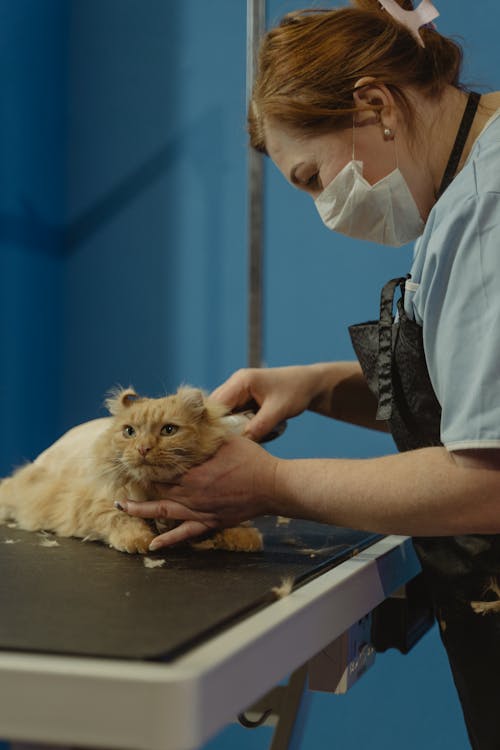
(457, 302)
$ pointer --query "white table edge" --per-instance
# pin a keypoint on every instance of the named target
(179, 705)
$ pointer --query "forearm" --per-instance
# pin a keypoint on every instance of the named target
(418, 493)
(343, 394)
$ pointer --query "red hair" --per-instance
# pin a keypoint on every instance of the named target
(309, 64)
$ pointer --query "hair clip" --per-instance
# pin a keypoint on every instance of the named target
(413, 20)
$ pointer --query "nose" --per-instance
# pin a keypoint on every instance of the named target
(143, 449)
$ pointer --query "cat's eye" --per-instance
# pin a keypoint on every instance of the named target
(169, 429)
(128, 431)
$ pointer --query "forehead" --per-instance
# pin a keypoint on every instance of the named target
(151, 411)
(288, 148)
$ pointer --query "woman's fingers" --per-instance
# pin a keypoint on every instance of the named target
(235, 391)
(264, 421)
(194, 523)
(183, 533)
(163, 509)
(247, 385)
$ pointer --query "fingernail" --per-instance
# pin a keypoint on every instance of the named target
(120, 505)
(154, 546)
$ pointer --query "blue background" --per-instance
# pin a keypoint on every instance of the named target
(123, 260)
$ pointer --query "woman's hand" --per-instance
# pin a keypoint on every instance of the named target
(237, 484)
(280, 392)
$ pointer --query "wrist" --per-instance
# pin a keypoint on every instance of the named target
(281, 500)
(270, 496)
(320, 378)
(324, 377)
(303, 489)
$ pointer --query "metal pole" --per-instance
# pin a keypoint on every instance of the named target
(256, 20)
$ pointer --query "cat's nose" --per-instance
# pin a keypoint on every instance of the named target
(143, 449)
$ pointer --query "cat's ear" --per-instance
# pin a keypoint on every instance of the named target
(120, 398)
(194, 400)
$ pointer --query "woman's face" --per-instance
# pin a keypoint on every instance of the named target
(310, 162)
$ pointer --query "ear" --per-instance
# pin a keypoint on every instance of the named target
(374, 104)
(119, 399)
(194, 400)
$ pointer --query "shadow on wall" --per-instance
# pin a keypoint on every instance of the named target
(144, 233)
(33, 311)
(32, 149)
(123, 253)
(29, 229)
(115, 264)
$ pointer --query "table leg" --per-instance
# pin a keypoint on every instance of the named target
(286, 708)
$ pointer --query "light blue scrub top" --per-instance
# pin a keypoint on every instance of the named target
(454, 294)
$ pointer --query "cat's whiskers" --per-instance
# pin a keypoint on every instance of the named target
(115, 469)
(185, 452)
(180, 464)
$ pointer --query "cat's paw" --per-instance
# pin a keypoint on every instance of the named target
(132, 539)
(237, 539)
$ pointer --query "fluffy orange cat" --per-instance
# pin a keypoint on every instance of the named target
(71, 487)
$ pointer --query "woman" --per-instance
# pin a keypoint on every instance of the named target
(362, 109)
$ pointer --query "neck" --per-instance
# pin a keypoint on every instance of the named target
(444, 119)
(423, 159)
(444, 122)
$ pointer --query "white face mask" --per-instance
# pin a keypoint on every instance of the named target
(385, 212)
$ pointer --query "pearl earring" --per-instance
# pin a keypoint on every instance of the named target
(388, 134)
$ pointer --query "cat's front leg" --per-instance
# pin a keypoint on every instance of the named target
(128, 534)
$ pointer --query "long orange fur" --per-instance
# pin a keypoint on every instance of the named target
(70, 489)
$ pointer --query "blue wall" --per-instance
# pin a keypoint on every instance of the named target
(124, 142)
(155, 272)
(33, 72)
(123, 259)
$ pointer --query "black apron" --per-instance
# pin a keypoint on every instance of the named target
(456, 569)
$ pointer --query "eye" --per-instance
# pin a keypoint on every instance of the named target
(306, 175)
(313, 181)
(128, 431)
(169, 429)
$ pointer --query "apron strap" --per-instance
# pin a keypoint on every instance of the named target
(385, 327)
(458, 146)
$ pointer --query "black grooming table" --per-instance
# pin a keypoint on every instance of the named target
(96, 650)
(65, 596)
